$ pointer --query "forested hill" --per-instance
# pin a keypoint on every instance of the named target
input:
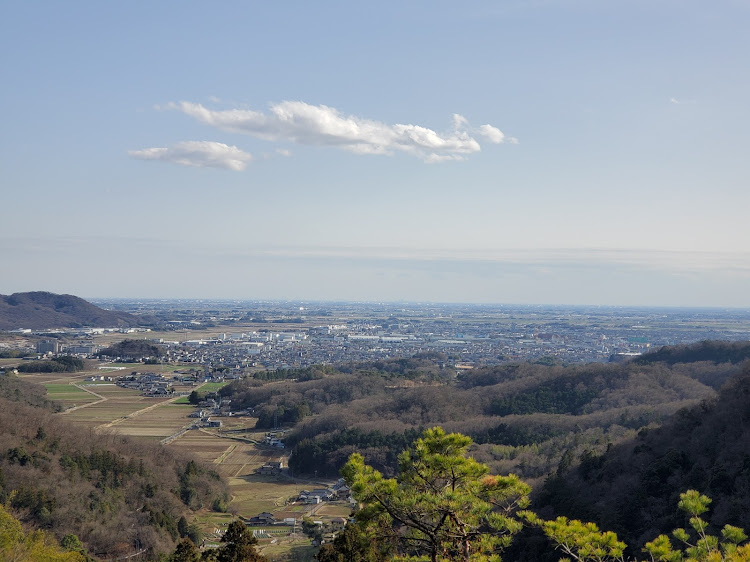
(714, 351)
(39, 310)
(134, 349)
(116, 494)
(525, 418)
(633, 487)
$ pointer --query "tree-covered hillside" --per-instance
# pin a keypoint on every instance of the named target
(133, 350)
(632, 488)
(525, 418)
(117, 494)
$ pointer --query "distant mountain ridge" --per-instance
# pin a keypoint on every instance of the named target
(39, 310)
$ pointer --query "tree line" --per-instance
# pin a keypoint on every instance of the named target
(61, 364)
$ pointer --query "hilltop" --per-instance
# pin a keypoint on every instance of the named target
(40, 310)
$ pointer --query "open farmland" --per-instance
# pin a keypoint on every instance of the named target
(52, 378)
(69, 395)
(292, 548)
(159, 422)
(119, 404)
(4, 362)
(237, 460)
(61, 387)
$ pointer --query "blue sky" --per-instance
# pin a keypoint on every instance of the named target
(523, 151)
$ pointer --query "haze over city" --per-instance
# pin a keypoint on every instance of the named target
(529, 151)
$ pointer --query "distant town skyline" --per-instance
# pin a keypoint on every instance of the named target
(534, 152)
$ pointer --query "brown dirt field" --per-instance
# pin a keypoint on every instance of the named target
(159, 422)
(62, 378)
(329, 511)
(6, 362)
(237, 461)
(297, 548)
(119, 404)
(205, 447)
(254, 494)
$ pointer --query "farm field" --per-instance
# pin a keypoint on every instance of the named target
(253, 494)
(293, 548)
(69, 395)
(57, 378)
(119, 404)
(213, 386)
(159, 422)
(237, 460)
(8, 362)
(330, 510)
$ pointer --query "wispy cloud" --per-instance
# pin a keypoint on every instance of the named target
(200, 154)
(736, 263)
(673, 261)
(675, 101)
(320, 125)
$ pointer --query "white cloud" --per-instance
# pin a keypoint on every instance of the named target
(459, 121)
(492, 134)
(437, 158)
(674, 101)
(200, 154)
(320, 125)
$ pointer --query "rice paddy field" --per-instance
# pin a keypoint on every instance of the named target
(117, 405)
(158, 423)
(69, 395)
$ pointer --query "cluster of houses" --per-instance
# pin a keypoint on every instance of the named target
(339, 491)
(330, 527)
(150, 384)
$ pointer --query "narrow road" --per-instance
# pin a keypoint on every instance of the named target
(74, 408)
